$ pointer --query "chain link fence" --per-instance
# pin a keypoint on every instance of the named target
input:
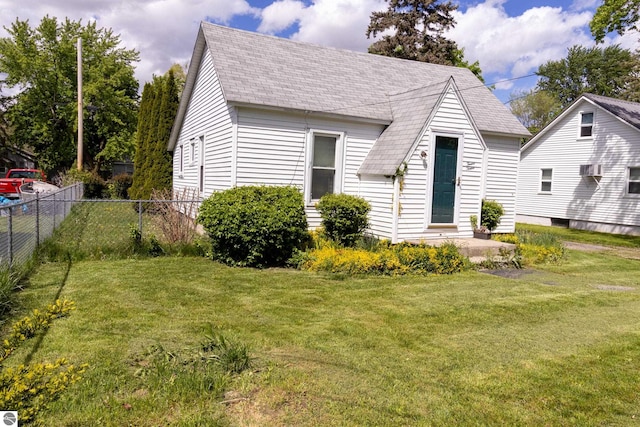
(24, 224)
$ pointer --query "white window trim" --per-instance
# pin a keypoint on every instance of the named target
(339, 162)
(180, 160)
(627, 181)
(542, 180)
(580, 126)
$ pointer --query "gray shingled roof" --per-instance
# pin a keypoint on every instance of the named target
(626, 110)
(261, 70)
(410, 112)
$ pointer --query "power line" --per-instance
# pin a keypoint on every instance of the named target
(435, 84)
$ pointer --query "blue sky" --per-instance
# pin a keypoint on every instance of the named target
(510, 38)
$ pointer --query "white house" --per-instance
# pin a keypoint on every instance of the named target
(423, 143)
(583, 169)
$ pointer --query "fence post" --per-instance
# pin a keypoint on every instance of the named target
(37, 218)
(140, 217)
(55, 208)
(10, 237)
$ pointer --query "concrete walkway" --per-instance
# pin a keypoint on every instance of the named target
(474, 248)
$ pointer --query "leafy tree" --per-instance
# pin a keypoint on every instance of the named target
(615, 15)
(153, 163)
(4, 123)
(419, 26)
(602, 71)
(41, 64)
(534, 108)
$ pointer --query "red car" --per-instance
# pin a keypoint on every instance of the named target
(10, 184)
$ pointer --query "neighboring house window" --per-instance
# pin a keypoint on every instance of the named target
(633, 181)
(586, 124)
(181, 158)
(545, 180)
(325, 173)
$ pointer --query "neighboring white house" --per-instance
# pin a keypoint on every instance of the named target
(583, 169)
(423, 143)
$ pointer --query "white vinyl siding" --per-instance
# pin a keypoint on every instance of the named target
(378, 190)
(575, 197)
(272, 150)
(450, 119)
(502, 178)
(208, 119)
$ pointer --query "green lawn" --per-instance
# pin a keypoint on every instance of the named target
(583, 236)
(550, 348)
(556, 346)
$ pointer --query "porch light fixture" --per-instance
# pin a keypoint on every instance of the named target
(423, 154)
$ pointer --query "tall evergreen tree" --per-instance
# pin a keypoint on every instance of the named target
(418, 27)
(153, 163)
(144, 125)
(161, 170)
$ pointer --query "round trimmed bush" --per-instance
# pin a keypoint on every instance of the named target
(344, 217)
(255, 226)
(491, 213)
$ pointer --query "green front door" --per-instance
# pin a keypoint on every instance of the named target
(444, 180)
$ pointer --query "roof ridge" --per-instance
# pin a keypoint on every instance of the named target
(593, 95)
(332, 48)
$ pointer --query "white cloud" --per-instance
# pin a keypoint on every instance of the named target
(338, 23)
(516, 46)
(163, 31)
(280, 15)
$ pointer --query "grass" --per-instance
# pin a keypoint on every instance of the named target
(584, 236)
(558, 346)
(103, 230)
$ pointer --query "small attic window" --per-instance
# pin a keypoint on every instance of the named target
(586, 125)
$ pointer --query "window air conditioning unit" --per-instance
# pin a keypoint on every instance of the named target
(590, 170)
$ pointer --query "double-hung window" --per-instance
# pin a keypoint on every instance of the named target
(545, 180)
(633, 181)
(586, 125)
(192, 159)
(325, 172)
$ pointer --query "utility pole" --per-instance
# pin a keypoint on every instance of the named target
(80, 106)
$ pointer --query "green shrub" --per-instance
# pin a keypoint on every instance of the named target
(491, 213)
(255, 226)
(535, 248)
(94, 186)
(119, 186)
(344, 217)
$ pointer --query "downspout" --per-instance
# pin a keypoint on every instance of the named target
(396, 209)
